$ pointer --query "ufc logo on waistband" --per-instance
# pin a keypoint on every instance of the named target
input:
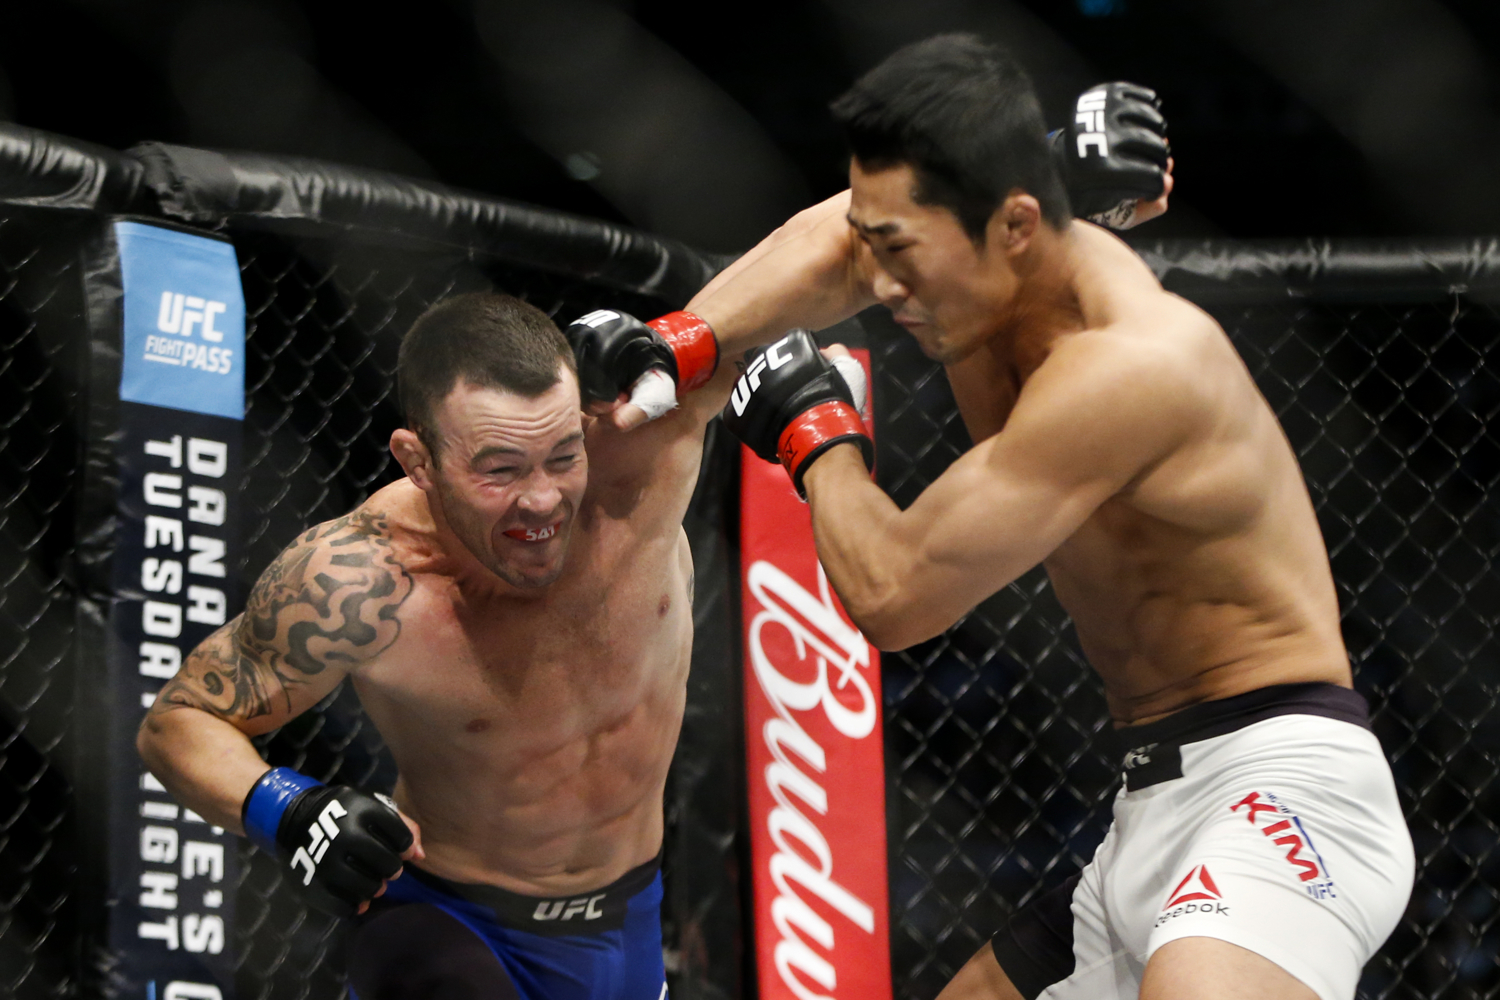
(567, 909)
(1090, 119)
(321, 834)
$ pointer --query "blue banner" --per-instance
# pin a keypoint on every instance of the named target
(184, 345)
(177, 453)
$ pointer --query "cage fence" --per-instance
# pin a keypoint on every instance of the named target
(40, 364)
(997, 786)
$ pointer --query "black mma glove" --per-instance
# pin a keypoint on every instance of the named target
(338, 843)
(1113, 153)
(613, 350)
(792, 404)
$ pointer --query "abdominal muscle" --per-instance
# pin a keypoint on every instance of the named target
(533, 738)
(568, 818)
(1170, 619)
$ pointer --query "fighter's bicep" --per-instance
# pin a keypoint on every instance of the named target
(329, 602)
(981, 525)
(646, 475)
(332, 599)
(1083, 428)
(222, 678)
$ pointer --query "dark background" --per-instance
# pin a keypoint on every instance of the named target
(708, 121)
(1289, 117)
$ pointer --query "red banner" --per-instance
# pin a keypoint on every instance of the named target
(816, 767)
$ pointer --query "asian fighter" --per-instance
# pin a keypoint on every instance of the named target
(1257, 847)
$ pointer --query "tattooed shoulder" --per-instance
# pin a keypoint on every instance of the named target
(331, 599)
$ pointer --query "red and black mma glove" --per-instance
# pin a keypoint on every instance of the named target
(613, 350)
(1113, 153)
(338, 843)
(791, 405)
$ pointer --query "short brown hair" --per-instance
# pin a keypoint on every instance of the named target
(488, 339)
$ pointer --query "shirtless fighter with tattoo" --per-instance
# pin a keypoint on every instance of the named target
(515, 616)
(517, 622)
(1257, 848)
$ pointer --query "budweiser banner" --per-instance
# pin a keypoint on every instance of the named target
(816, 766)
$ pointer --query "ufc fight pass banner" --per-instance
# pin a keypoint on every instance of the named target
(816, 762)
(181, 404)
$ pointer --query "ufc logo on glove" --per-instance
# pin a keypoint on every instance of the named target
(775, 356)
(1090, 119)
(321, 834)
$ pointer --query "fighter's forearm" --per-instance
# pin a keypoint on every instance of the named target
(207, 764)
(809, 273)
(864, 550)
(768, 300)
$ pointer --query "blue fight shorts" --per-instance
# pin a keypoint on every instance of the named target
(431, 938)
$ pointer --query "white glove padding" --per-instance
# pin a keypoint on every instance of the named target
(655, 393)
(854, 376)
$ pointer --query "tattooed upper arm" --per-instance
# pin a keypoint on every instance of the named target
(329, 602)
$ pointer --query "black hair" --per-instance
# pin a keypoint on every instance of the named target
(962, 113)
(488, 339)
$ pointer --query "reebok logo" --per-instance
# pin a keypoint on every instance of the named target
(598, 318)
(1285, 830)
(1198, 884)
(1138, 756)
(1196, 893)
(567, 909)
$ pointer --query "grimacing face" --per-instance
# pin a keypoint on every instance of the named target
(511, 475)
(949, 294)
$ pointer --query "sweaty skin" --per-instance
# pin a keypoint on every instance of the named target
(1120, 442)
(530, 691)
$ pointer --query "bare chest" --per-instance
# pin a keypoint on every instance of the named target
(1189, 568)
(597, 652)
(1114, 557)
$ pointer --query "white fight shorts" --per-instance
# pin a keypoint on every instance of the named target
(1268, 820)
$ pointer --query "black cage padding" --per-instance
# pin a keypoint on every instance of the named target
(213, 189)
(1326, 270)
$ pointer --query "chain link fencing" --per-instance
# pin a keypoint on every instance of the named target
(998, 785)
(327, 299)
(41, 307)
(997, 789)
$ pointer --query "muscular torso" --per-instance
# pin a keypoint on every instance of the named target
(1207, 575)
(533, 734)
